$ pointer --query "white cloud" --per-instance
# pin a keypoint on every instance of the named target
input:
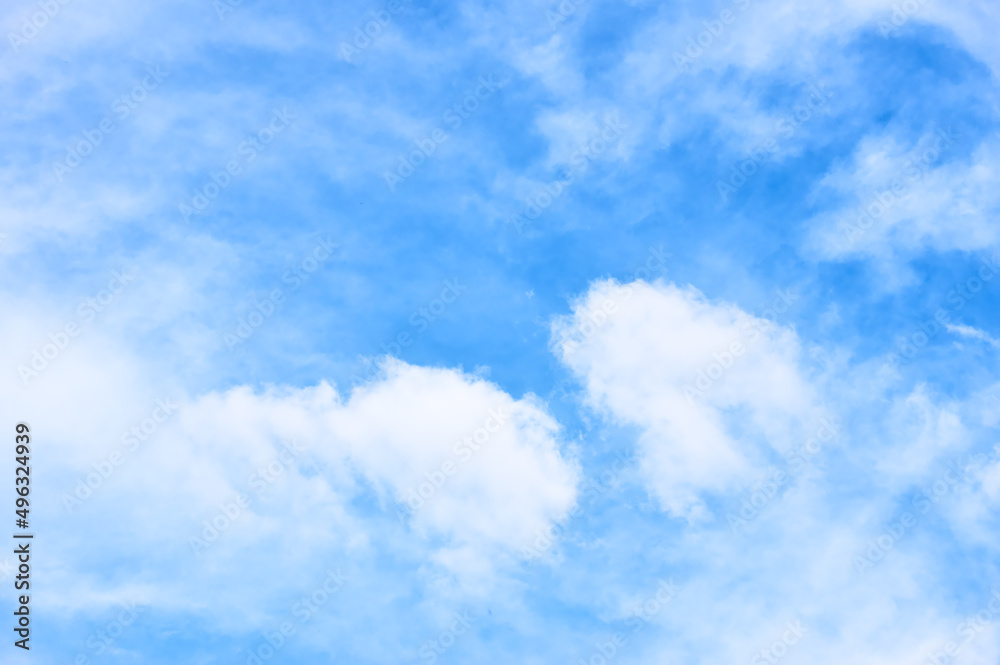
(973, 333)
(682, 369)
(901, 199)
(370, 447)
(486, 469)
(921, 431)
(782, 34)
(497, 459)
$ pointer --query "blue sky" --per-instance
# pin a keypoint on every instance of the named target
(536, 332)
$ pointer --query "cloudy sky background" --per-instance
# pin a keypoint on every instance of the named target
(698, 340)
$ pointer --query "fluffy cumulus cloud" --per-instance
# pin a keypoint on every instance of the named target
(471, 471)
(420, 469)
(714, 390)
(460, 459)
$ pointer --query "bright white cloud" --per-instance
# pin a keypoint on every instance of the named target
(681, 368)
(479, 471)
